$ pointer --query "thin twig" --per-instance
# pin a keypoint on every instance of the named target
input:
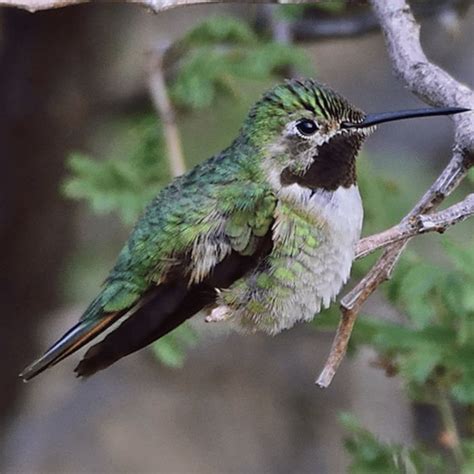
(435, 86)
(438, 222)
(451, 439)
(159, 94)
(338, 347)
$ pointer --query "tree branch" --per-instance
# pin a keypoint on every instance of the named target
(421, 224)
(153, 5)
(304, 29)
(163, 106)
(437, 87)
(320, 26)
(37, 5)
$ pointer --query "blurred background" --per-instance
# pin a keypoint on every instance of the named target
(82, 149)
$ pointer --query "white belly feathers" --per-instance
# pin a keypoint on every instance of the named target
(330, 264)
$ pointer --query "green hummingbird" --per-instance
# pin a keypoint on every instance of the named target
(261, 235)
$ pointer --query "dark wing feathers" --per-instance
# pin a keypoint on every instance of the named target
(169, 307)
(151, 285)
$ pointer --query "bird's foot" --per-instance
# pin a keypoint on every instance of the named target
(221, 313)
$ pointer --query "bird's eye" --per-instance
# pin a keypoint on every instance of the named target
(306, 127)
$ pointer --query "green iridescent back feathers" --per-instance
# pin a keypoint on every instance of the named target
(261, 235)
(223, 186)
(230, 183)
(224, 207)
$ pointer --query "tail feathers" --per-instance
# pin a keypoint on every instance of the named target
(133, 334)
(164, 311)
(152, 320)
(82, 333)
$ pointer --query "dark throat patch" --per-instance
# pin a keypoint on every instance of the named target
(332, 167)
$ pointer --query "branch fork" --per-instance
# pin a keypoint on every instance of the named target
(435, 86)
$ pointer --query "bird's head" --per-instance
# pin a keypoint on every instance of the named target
(311, 135)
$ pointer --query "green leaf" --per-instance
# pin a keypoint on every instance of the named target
(468, 450)
(463, 391)
(219, 29)
(214, 56)
(123, 183)
(463, 258)
(168, 353)
(383, 200)
(333, 6)
(470, 175)
(420, 363)
(327, 319)
(171, 349)
(291, 12)
(415, 289)
(294, 12)
(366, 329)
(372, 456)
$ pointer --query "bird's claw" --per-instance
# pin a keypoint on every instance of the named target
(221, 313)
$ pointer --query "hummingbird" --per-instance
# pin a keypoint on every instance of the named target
(261, 235)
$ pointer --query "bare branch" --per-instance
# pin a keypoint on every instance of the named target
(438, 222)
(37, 5)
(165, 110)
(437, 87)
(154, 5)
(338, 348)
(305, 29)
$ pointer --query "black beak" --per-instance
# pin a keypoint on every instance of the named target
(374, 119)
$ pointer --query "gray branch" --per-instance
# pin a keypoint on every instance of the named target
(360, 22)
(435, 86)
(422, 224)
(37, 5)
(153, 5)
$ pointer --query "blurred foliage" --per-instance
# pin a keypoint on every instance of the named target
(435, 347)
(171, 349)
(372, 456)
(471, 175)
(123, 183)
(468, 466)
(432, 349)
(221, 50)
(293, 12)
